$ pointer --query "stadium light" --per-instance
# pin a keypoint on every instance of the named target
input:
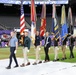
(7, 4)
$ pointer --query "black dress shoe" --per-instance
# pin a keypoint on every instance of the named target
(23, 65)
(34, 63)
(63, 59)
(46, 61)
(16, 66)
(54, 60)
(8, 67)
(27, 64)
(57, 59)
(71, 57)
(39, 62)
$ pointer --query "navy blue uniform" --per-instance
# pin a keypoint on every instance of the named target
(56, 42)
(64, 41)
(46, 47)
(37, 40)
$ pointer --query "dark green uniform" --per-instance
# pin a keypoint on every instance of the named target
(27, 42)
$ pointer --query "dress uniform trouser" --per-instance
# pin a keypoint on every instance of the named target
(63, 50)
(71, 51)
(37, 53)
(56, 52)
(25, 51)
(46, 49)
(12, 55)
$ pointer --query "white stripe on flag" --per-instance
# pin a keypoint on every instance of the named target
(33, 32)
(22, 21)
(22, 26)
(22, 16)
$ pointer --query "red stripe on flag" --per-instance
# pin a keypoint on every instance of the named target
(22, 30)
(21, 18)
(22, 24)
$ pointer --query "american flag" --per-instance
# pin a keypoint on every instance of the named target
(22, 19)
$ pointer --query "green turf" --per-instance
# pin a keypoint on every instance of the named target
(4, 53)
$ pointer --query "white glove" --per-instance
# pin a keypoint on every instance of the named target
(66, 46)
(15, 51)
(28, 51)
(49, 48)
(39, 49)
(57, 48)
(74, 47)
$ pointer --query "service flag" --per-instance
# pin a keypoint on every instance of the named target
(64, 27)
(43, 20)
(55, 25)
(33, 21)
(70, 21)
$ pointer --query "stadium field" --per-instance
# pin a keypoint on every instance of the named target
(4, 54)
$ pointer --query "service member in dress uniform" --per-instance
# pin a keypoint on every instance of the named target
(37, 44)
(13, 43)
(26, 49)
(56, 41)
(47, 46)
